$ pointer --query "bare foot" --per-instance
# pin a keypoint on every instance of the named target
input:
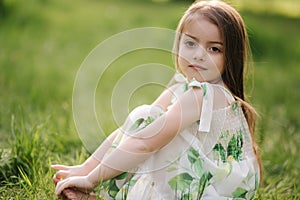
(74, 194)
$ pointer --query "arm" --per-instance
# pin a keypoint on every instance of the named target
(146, 142)
(88, 165)
(164, 99)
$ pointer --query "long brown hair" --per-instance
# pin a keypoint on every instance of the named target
(236, 51)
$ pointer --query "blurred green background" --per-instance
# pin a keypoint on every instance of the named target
(44, 42)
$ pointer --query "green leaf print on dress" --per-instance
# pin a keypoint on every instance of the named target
(111, 185)
(136, 124)
(229, 157)
(235, 145)
(141, 123)
(193, 155)
(219, 152)
(181, 182)
(190, 184)
(244, 193)
(239, 193)
(118, 187)
(233, 150)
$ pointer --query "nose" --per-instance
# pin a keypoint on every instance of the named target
(199, 54)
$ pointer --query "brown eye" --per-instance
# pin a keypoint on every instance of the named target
(215, 49)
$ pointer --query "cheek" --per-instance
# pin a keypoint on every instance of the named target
(182, 62)
(219, 63)
(184, 53)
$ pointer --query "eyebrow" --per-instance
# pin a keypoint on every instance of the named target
(195, 38)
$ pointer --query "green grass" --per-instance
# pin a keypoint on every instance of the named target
(43, 44)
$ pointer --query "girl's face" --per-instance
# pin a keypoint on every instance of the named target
(201, 51)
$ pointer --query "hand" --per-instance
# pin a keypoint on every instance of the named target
(67, 171)
(81, 183)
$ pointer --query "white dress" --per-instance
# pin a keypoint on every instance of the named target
(211, 159)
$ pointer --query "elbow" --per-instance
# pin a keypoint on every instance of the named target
(143, 146)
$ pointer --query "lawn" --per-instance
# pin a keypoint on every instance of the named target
(43, 44)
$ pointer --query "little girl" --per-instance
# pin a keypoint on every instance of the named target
(196, 141)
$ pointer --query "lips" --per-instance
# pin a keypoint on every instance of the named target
(197, 67)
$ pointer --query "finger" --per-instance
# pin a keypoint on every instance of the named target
(61, 186)
(60, 167)
(62, 174)
(55, 179)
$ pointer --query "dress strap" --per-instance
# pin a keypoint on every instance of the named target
(207, 105)
(208, 101)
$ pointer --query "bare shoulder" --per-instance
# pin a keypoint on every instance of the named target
(187, 109)
(171, 90)
(193, 95)
(220, 99)
(190, 101)
(164, 99)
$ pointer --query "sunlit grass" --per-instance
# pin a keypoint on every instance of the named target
(289, 8)
(43, 44)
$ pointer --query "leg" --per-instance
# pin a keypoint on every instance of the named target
(74, 194)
